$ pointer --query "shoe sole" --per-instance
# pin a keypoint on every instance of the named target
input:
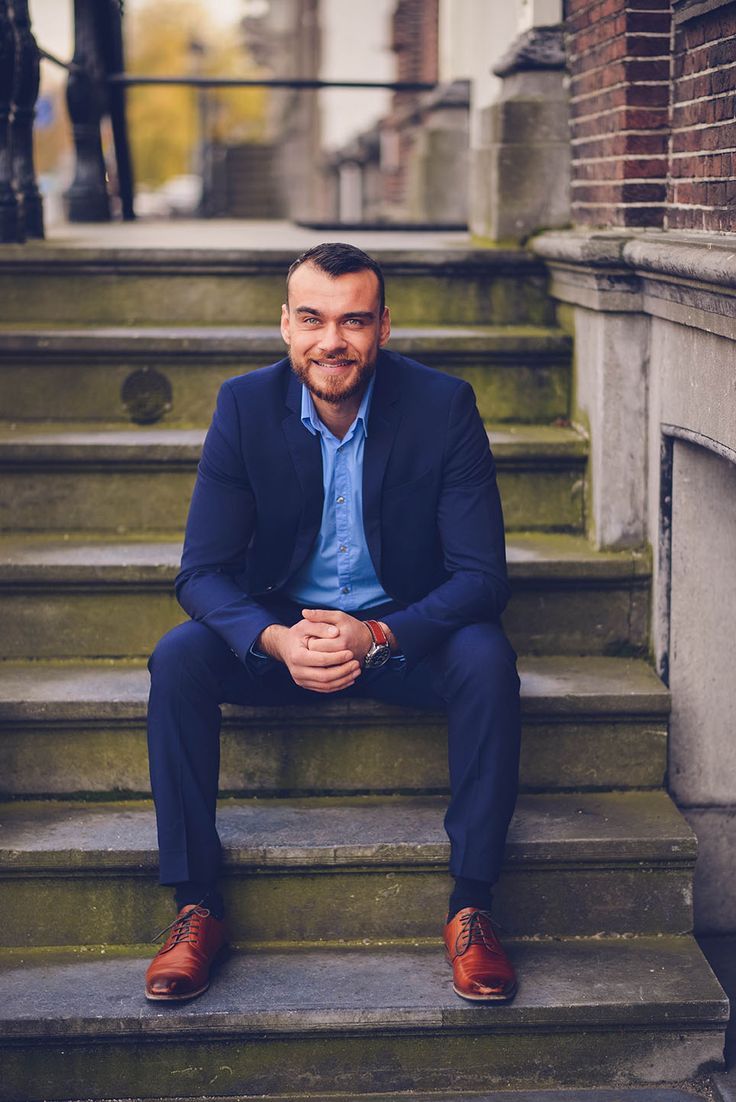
(219, 957)
(486, 998)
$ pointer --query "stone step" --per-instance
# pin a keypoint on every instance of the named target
(77, 598)
(137, 479)
(348, 869)
(588, 723)
(144, 374)
(633, 1012)
(54, 283)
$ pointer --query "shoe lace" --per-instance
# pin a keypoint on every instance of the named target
(477, 928)
(185, 927)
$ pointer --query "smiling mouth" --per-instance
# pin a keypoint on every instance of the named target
(333, 364)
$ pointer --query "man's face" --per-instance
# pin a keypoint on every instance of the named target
(334, 328)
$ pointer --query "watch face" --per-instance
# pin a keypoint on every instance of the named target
(377, 656)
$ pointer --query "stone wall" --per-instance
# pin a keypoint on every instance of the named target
(654, 321)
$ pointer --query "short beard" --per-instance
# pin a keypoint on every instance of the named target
(336, 396)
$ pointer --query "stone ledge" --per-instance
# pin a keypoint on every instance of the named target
(683, 277)
(706, 258)
(685, 10)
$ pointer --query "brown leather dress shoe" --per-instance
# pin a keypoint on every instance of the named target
(481, 970)
(181, 968)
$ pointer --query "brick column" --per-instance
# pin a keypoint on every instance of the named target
(702, 185)
(619, 62)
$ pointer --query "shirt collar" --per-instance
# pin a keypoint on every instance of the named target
(310, 417)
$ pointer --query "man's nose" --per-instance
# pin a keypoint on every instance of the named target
(331, 338)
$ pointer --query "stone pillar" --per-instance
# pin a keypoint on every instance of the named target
(603, 308)
(521, 168)
(438, 170)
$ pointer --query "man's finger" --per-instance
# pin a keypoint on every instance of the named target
(317, 630)
(328, 687)
(315, 659)
(323, 615)
(325, 646)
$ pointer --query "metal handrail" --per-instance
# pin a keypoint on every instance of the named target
(129, 79)
(44, 55)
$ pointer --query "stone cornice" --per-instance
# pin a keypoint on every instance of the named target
(683, 10)
(537, 48)
(685, 277)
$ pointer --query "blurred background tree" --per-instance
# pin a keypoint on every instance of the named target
(176, 37)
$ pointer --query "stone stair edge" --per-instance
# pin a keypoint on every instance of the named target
(33, 443)
(609, 830)
(658, 1093)
(214, 339)
(50, 559)
(407, 986)
(29, 693)
(46, 258)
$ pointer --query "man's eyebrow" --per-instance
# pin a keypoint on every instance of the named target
(350, 313)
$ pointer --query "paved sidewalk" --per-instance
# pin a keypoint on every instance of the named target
(239, 234)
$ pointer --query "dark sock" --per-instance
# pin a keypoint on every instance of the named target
(469, 893)
(207, 895)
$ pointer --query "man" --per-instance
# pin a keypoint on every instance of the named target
(345, 536)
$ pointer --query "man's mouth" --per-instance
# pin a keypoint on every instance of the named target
(328, 365)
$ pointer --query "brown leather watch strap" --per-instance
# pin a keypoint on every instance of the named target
(379, 635)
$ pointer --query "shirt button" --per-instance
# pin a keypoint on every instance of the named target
(343, 548)
(345, 589)
(340, 500)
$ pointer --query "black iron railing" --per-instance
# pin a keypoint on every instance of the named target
(96, 88)
(21, 213)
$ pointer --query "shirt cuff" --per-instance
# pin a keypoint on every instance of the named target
(257, 661)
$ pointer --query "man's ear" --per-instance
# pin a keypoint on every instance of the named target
(384, 331)
(285, 323)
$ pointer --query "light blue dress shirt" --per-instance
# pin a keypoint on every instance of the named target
(339, 572)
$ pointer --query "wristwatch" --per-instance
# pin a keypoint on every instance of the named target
(379, 651)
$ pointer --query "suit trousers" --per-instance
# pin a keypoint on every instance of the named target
(471, 676)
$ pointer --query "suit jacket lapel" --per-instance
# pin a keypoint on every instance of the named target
(306, 455)
(383, 423)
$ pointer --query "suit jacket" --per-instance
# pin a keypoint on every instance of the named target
(431, 509)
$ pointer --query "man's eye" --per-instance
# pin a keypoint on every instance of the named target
(310, 321)
(355, 322)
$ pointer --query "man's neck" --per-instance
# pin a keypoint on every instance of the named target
(337, 416)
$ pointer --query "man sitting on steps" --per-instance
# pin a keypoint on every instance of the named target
(345, 536)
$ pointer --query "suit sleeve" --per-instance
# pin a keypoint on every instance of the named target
(470, 523)
(219, 529)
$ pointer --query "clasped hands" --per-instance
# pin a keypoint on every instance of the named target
(323, 652)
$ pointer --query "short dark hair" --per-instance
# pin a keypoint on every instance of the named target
(335, 258)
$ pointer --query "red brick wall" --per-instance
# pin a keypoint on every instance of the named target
(415, 41)
(702, 185)
(415, 31)
(619, 62)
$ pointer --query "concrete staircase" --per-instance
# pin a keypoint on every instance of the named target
(331, 816)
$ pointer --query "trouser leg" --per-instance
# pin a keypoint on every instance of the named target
(473, 677)
(481, 690)
(192, 671)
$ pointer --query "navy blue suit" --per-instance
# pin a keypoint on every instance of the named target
(434, 528)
